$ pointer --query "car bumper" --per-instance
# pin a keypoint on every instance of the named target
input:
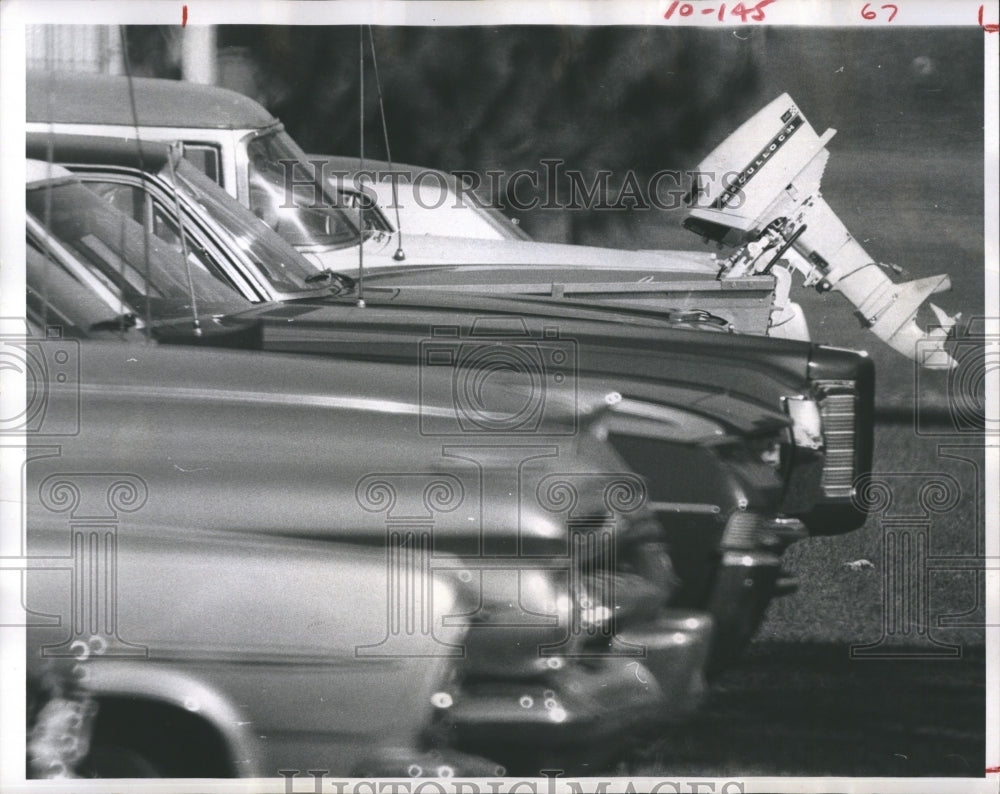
(744, 586)
(408, 762)
(652, 672)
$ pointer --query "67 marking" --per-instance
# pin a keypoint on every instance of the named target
(867, 13)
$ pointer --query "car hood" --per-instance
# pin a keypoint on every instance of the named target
(319, 448)
(430, 250)
(733, 379)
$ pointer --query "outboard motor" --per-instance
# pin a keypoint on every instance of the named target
(770, 206)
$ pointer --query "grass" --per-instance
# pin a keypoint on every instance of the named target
(836, 603)
(798, 704)
(807, 709)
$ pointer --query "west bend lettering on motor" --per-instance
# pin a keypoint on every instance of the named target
(747, 173)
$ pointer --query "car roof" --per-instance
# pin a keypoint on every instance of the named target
(71, 98)
(97, 150)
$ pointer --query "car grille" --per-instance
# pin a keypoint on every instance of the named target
(838, 408)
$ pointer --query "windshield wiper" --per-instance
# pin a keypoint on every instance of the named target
(374, 232)
(122, 322)
(337, 281)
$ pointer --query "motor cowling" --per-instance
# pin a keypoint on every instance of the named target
(765, 199)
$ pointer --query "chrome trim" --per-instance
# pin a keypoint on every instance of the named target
(684, 507)
(750, 559)
(181, 393)
(742, 531)
(838, 408)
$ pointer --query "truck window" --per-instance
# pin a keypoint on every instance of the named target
(206, 158)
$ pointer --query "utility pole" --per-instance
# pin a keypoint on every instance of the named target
(198, 61)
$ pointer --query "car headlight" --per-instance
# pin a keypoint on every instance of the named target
(807, 421)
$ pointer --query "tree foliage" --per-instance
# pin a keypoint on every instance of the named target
(614, 98)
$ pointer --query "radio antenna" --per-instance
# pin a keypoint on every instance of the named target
(147, 306)
(47, 209)
(361, 145)
(400, 255)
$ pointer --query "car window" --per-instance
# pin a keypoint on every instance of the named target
(272, 255)
(135, 202)
(56, 296)
(282, 195)
(357, 200)
(118, 256)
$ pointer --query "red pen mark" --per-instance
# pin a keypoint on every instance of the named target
(754, 13)
(184, 16)
(992, 770)
(686, 9)
(991, 28)
(867, 13)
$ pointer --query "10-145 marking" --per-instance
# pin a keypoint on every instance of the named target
(754, 13)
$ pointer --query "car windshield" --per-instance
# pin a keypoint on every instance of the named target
(111, 255)
(436, 210)
(507, 227)
(285, 195)
(275, 259)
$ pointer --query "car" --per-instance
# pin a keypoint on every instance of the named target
(415, 200)
(217, 650)
(247, 152)
(239, 145)
(300, 572)
(799, 416)
(84, 277)
(147, 399)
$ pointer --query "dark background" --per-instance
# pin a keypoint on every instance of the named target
(598, 97)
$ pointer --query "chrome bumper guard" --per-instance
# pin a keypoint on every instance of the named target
(409, 762)
(654, 671)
